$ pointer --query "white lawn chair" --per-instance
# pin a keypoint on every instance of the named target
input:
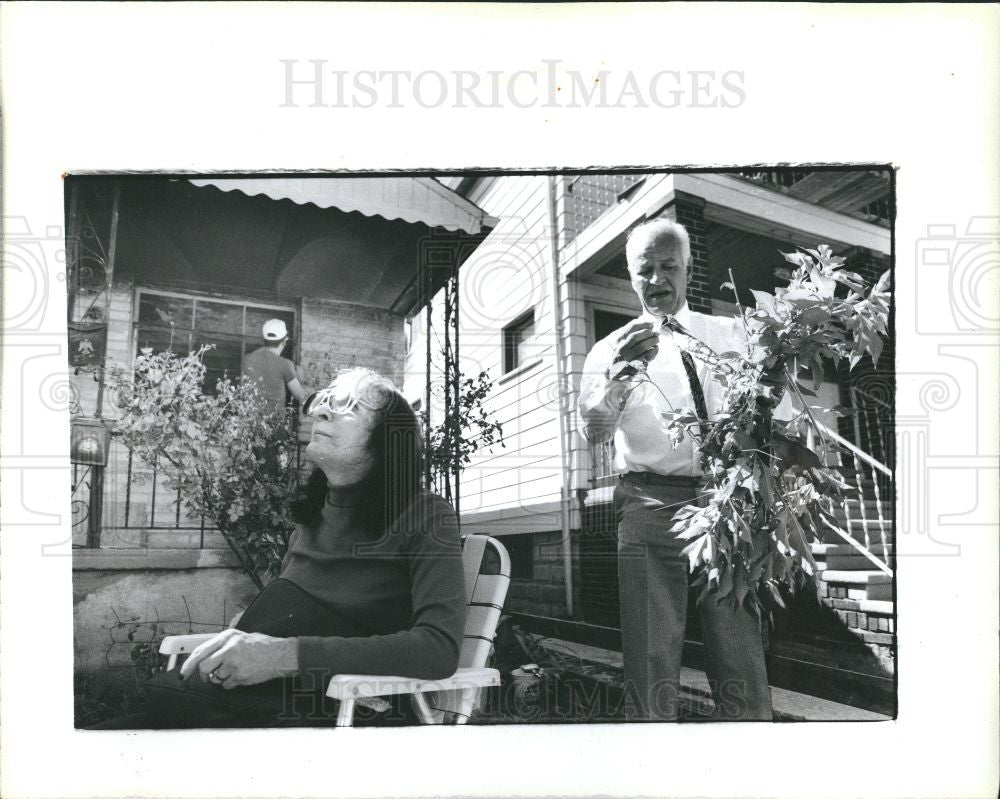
(453, 699)
(450, 700)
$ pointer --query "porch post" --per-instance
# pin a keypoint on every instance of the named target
(425, 287)
(562, 386)
(109, 273)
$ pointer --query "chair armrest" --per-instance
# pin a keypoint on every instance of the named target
(184, 644)
(357, 686)
(176, 645)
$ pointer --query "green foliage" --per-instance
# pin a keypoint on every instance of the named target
(461, 433)
(768, 495)
(227, 454)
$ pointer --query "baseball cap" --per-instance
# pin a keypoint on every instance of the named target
(274, 330)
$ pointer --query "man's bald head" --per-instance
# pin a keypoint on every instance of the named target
(653, 232)
(658, 254)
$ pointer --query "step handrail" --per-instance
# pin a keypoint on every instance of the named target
(860, 454)
(876, 561)
(853, 449)
(870, 397)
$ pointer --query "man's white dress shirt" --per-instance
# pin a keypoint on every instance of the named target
(640, 430)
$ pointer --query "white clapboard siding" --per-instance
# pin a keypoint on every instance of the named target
(497, 478)
(527, 452)
(493, 487)
(507, 276)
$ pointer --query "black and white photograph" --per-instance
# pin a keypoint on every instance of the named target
(482, 448)
(499, 400)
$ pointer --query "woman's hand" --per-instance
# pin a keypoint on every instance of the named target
(235, 658)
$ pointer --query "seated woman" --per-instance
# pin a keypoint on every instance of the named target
(372, 582)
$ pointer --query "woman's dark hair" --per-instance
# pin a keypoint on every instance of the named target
(394, 479)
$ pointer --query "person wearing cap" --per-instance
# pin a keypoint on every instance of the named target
(272, 372)
(658, 478)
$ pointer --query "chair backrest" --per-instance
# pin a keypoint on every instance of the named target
(487, 577)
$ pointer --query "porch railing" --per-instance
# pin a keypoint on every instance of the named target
(867, 511)
(139, 510)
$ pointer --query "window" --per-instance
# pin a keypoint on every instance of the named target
(518, 341)
(413, 329)
(184, 323)
(607, 322)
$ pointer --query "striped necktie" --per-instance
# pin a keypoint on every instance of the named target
(692, 373)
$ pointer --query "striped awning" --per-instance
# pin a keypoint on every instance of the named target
(411, 199)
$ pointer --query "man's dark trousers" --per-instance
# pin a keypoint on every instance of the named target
(653, 578)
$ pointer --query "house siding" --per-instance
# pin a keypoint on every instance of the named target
(503, 491)
(515, 491)
(507, 276)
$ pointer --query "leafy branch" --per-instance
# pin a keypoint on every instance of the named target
(461, 433)
(769, 495)
(228, 454)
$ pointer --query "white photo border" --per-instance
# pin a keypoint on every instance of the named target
(201, 88)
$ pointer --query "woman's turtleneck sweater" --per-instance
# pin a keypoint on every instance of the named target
(401, 595)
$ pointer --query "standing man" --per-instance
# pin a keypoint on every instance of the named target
(272, 372)
(658, 479)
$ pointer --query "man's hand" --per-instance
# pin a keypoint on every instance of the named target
(774, 388)
(639, 341)
(236, 658)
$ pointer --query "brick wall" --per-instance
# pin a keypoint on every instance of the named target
(598, 584)
(589, 196)
(337, 335)
(877, 381)
(689, 212)
(543, 590)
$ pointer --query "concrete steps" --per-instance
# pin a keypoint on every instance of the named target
(870, 506)
(855, 584)
(844, 557)
(846, 550)
(856, 562)
(856, 526)
(860, 594)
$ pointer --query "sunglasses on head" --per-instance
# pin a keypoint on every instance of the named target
(347, 392)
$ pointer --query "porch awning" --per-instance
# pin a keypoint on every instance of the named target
(387, 243)
(411, 199)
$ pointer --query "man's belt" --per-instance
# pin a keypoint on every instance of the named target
(652, 478)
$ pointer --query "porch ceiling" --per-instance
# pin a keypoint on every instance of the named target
(289, 238)
(846, 192)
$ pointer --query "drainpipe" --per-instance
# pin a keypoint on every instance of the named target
(563, 393)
